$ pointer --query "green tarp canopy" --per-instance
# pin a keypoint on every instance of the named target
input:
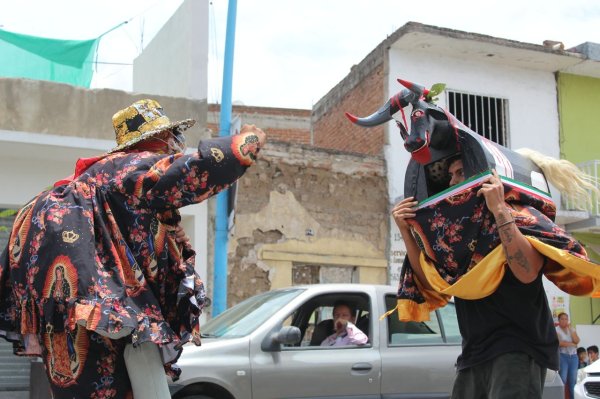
(65, 61)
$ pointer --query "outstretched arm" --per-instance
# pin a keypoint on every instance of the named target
(166, 182)
(402, 211)
(523, 259)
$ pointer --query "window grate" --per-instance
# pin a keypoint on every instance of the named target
(486, 116)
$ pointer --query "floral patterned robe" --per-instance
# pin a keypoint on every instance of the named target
(93, 263)
(462, 254)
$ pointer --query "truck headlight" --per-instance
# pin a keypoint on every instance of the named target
(580, 375)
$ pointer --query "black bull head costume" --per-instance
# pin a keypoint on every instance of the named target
(435, 134)
(461, 251)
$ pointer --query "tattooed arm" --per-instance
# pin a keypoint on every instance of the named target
(524, 261)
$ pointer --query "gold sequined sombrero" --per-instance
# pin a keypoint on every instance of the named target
(141, 121)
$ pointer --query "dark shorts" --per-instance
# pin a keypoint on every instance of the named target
(85, 365)
(512, 375)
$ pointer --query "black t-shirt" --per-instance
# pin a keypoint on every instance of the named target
(515, 318)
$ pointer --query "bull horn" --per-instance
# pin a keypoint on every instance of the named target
(415, 88)
(383, 114)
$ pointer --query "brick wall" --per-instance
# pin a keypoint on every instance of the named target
(326, 126)
(280, 124)
(333, 130)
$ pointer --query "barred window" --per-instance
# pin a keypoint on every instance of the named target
(486, 116)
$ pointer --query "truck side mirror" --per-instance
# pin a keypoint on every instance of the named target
(286, 335)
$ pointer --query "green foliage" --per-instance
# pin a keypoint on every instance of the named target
(6, 213)
(435, 90)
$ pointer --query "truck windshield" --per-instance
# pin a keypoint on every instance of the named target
(246, 316)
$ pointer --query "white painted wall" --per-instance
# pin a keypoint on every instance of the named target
(175, 62)
(33, 162)
(588, 334)
(532, 110)
(194, 219)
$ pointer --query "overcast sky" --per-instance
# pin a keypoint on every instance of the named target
(290, 53)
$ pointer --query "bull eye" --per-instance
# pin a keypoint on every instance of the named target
(417, 114)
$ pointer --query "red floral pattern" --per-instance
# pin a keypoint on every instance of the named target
(458, 231)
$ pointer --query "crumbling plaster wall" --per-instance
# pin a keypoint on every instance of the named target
(313, 204)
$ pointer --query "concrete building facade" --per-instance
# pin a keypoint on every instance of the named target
(175, 62)
(280, 124)
(306, 215)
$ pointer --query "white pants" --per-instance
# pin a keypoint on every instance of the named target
(146, 371)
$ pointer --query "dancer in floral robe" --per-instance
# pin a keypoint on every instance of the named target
(93, 266)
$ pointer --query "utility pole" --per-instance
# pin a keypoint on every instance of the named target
(221, 222)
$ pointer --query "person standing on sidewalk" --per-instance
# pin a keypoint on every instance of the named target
(569, 360)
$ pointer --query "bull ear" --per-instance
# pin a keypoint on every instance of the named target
(437, 113)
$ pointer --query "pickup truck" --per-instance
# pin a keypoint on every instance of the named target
(268, 347)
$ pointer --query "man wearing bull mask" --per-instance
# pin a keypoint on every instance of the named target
(98, 278)
(508, 337)
(482, 242)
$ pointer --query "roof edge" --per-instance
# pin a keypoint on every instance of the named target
(375, 57)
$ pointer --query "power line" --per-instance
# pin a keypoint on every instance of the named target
(112, 63)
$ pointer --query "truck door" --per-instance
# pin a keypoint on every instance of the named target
(309, 370)
(419, 357)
